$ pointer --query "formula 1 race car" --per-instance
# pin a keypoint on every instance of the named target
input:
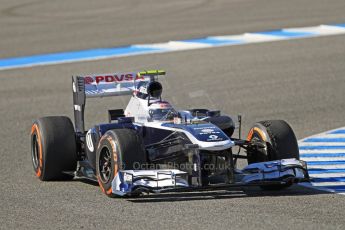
(150, 147)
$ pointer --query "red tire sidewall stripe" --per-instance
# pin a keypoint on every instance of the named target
(113, 146)
(258, 131)
(35, 129)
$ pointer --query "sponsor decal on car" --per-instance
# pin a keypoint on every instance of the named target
(112, 78)
(214, 138)
(89, 141)
(207, 130)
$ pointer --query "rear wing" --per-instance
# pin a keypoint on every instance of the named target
(104, 85)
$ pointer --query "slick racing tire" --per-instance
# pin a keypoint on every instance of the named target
(281, 144)
(118, 149)
(53, 148)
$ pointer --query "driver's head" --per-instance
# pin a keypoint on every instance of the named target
(161, 110)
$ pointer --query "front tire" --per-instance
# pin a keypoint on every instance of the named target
(118, 149)
(281, 144)
(53, 148)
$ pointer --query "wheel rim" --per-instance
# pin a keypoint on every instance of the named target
(264, 154)
(105, 165)
(35, 152)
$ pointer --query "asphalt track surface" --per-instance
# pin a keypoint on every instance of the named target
(301, 81)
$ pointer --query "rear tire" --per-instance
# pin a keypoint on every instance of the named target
(281, 144)
(53, 148)
(118, 149)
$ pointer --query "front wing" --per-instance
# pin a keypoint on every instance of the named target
(287, 171)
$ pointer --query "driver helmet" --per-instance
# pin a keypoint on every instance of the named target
(161, 110)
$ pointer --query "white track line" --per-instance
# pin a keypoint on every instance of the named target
(171, 46)
(330, 166)
(322, 144)
(323, 159)
(323, 151)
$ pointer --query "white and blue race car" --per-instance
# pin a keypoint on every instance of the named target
(150, 147)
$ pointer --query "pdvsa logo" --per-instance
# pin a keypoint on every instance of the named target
(112, 78)
(88, 80)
